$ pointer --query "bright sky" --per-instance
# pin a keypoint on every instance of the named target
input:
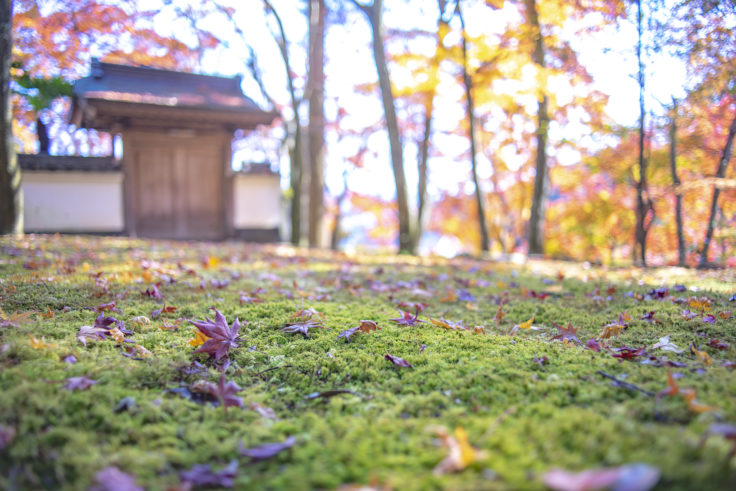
(608, 55)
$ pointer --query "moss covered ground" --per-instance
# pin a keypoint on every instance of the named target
(528, 403)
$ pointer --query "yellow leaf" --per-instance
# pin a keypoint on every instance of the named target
(471, 306)
(527, 324)
(692, 404)
(143, 351)
(701, 355)
(117, 335)
(444, 324)
(198, 340)
(460, 452)
(37, 343)
(15, 319)
(610, 331)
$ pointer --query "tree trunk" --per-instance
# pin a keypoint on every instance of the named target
(374, 11)
(468, 83)
(316, 93)
(296, 151)
(422, 165)
(336, 229)
(676, 182)
(720, 173)
(422, 171)
(539, 196)
(643, 203)
(11, 197)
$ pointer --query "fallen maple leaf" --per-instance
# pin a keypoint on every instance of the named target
(302, 327)
(199, 339)
(308, 314)
(165, 309)
(592, 344)
(399, 362)
(628, 353)
(113, 479)
(223, 391)
(665, 345)
(139, 320)
(78, 383)
(117, 335)
(202, 475)
(221, 337)
(526, 324)
(701, 355)
(15, 319)
(37, 343)
(460, 452)
(718, 344)
(445, 324)
(407, 318)
(267, 450)
(90, 332)
(687, 393)
(568, 333)
(631, 477)
(107, 306)
(727, 431)
(264, 411)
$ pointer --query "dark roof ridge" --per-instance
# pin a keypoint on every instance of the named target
(96, 65)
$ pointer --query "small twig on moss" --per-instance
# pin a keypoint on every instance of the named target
(626, 385)
(273, 368)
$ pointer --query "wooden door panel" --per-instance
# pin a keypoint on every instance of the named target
(155, 196)
(201, 195)
(178, 188)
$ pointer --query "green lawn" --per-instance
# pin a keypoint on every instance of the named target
(528, 403)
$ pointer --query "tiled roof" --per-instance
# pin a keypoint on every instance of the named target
(126, 83)
(162, 93)
(30, 162)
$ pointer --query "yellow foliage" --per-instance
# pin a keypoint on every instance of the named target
(198, 340)
(37, 343)
(527, 324)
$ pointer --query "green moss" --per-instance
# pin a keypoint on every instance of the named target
(528, 417)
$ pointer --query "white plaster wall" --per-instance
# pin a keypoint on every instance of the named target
(73, 201)
(257, 201)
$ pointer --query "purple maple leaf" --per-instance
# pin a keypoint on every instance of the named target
(202, 475)
(592, 344)
(113, 479)
(222, 337)
(399, 362)
(710, 319)
(407, 318)
(649, 317)
(302, 327)
(347, 333)
(267, 450)
(223, 392)
(79, 383)
(688, 315)
(153, 292)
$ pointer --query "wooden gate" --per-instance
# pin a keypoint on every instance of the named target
(175, 186)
